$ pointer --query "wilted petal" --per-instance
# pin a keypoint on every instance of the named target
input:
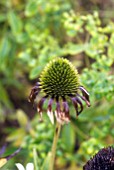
(34, 91)
(49, 111)
(75, 105)
(65, 118)
(87, 102)
(40, 105)
(62, 116)
(33, 95)
(57, 111)
(84, 92)
(65, 107)
(51, 116)
(30, 166)
(57, 115)
(80, 103)
(36, 86)
(20, 166)
(66, 110)
(58, 105)
(84, 99)
(50, 104)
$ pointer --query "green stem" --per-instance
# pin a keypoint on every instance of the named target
(54, 146)
(35, 159)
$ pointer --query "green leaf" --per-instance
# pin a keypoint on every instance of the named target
(2, 17)
(68, 136)
(15, 23)
(31, 8)
(46, 163)
(35, 72)
(22, 118)
(111, 51)
(35, 156)
(4, 50)
(74, 49)
(16, 136)
(4, 98)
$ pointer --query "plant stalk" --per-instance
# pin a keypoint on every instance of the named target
(54, 145)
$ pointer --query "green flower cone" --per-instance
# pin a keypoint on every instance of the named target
(59, 80)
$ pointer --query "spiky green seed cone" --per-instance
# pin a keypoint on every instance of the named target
(59, 78)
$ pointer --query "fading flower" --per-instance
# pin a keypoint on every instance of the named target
(29, 166)
(60, 80)
(103, 160)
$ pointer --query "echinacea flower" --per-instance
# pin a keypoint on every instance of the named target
(60, 80)
(29, 166)
(103, 160)
(3, 160)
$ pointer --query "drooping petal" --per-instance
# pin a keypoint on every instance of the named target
(57, 104)
(51, 116)
(36, 86)
(34, 92)
(50, 104)
(84, 99)
(49, 111)
(57, 117)
(58, 113)
(80, 103)
(75, 105)
(85, 93)
(64, 118)
(32, 97)
(40, 105)
(66, 110)
(60, 117)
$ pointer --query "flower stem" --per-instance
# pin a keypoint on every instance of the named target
(54, 146)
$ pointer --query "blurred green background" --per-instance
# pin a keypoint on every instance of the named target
(33, 32)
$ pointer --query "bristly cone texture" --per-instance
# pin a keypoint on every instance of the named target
(103, 160)
(59, 80)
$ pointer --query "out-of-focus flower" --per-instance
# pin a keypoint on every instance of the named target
(3, 160)
(60, 80)
(103, 160)
(29, 166)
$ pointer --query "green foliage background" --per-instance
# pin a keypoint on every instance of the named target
(33, 32)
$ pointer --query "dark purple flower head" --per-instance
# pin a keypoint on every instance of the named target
(60, 80)
(103, 160)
